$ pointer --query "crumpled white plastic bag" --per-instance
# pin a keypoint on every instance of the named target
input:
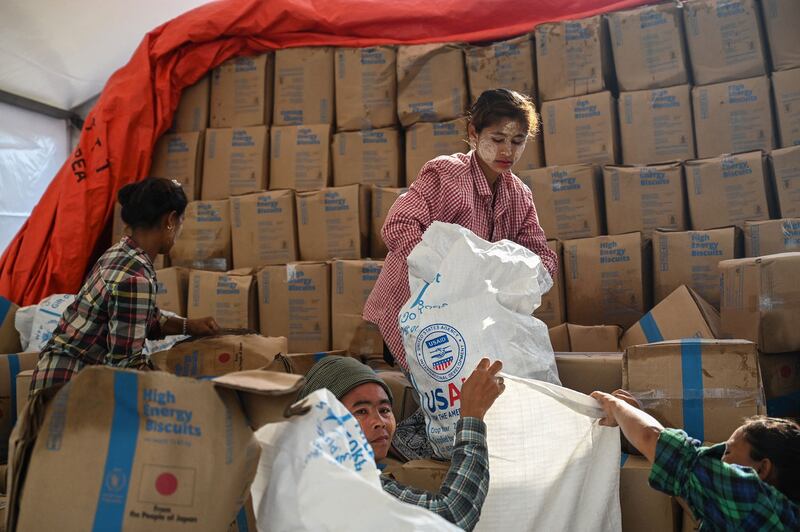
(317, 472)
(469, 299)
(154, 346)
(553, 467)
(36, 323)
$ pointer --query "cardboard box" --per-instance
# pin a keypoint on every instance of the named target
(724, 40)
(304, 86)
(382, 200)
(366, 88)
(581, 130)
(648, 47)
(171, 427)
(727, 190)
(230, 298)
(785, 165)
(691, 258)
(760, 302)
(781, 376)
(333, 223)
(533, 155)
(780, 19)
(426, 141)
(569, 337)
(656, 125)
(192, 113)
(294, 301)
(431, 83)
(241, 92)
(644, 198)
(426, 475)
(300, 157)
(214, 356)
(405, 397)
(771, 236)
(352, 282)
(179, 156)
(573, 58)
(372, 157)
(245, 519)
(264, 229)
(508, 64)
(9, 337)
(235, 162)
(300, 363)
(786, 88)
(644, 508)
(607, 279)
(588, 372)
(10, 367)
(569, 199)
(682, 314)
(733, 116)
(172, 289)
(553, 310)
(705, 387)
(205, 241)
(24, 379)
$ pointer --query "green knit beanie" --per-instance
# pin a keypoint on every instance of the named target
(340, 375)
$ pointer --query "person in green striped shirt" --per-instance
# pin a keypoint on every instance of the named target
(750, 482)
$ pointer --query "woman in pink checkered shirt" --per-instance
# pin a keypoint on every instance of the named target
(476, 190)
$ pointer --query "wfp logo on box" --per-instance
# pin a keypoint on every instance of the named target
(441, 351)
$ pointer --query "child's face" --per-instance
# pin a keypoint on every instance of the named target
(737, 451)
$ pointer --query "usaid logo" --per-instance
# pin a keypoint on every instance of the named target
(441, 351)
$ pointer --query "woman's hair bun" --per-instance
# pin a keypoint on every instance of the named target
(145, 202)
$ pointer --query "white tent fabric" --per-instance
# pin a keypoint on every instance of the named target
(32, 148)
(62, 53)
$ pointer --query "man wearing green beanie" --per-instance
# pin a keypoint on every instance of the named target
(369, 399)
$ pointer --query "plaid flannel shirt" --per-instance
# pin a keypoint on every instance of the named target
(452, 189)
(722, 496)
(464, 489)
(112, 316)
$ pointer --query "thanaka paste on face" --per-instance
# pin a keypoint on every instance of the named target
(490, 151)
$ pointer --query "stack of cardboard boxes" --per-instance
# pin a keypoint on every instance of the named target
(666, 173)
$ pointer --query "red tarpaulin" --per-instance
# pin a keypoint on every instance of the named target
(51, 252)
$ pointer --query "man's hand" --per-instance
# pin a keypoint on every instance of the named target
(481, 389)
(202, 327)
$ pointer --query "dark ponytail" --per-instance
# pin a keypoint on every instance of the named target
(145, 202)
(778, 440)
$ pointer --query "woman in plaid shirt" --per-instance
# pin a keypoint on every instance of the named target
(115, 310)
(476, 190)
(750, 482)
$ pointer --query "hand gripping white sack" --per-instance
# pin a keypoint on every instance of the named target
(317, 472)
(154, 346)
(45, 320)
(469, 299)
(553, 467)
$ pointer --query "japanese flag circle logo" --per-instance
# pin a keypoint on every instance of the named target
(441, 351)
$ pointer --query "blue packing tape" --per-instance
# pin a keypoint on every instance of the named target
(5, 305)
(692, 371)
(622, 459)
(241, 520)
(13, 371)
(110, 512)
(650, 328)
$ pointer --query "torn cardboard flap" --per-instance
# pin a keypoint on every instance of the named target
(569, 337)
(217, 355)
(682, 314)
(265, 395)
(588, 372)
